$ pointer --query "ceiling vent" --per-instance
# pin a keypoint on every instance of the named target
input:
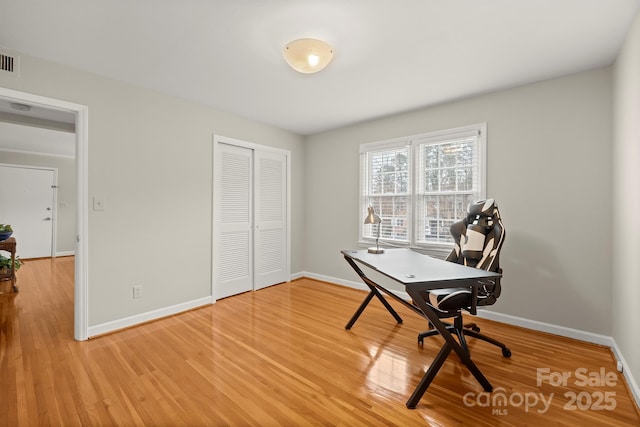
(9, 63)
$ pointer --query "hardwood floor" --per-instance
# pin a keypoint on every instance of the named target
(281, 356)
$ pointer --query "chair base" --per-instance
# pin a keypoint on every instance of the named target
(461, 331)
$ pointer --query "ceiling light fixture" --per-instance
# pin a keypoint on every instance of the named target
(307, 55)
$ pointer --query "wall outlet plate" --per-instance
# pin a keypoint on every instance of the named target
(137, 291)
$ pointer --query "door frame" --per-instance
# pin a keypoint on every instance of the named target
(81, 276)
(217, 140)
(54, 203)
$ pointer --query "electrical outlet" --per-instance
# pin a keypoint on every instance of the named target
(137, 291)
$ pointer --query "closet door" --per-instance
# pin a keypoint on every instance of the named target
(270, 251)
(233, 254)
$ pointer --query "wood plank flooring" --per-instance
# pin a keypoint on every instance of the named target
(281, 356)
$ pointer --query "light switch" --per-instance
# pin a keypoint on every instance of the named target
(98, 203)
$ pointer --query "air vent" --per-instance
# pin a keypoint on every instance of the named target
(8, 63)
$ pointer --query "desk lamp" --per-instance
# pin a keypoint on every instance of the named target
(372, 218)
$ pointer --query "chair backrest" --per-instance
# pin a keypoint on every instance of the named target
(478, 240)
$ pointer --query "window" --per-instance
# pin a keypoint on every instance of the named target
(420, 185)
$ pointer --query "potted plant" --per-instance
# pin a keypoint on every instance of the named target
(5, 264)
(5, 231)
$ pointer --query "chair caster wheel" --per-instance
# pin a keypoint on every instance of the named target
(506, 352)
(420, 341)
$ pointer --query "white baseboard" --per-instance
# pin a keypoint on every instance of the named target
(492, 315)
(137, 319)
(518, 321)
(546, 327)
(65, 253)
(633, 385)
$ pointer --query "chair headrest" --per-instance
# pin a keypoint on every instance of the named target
(483, 213)
(479, 236)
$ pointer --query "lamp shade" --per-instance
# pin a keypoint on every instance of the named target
(307, 55)
(372, 217)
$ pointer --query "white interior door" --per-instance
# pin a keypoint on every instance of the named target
(28, 205)
(270, 219)
(233, 253)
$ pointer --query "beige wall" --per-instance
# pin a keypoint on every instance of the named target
(150, 157)
(626, 202)
(65, 227)
(549, 168)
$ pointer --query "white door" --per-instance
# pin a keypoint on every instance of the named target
(234, 210)
(250, 218)
(270, 219)
(27, 204)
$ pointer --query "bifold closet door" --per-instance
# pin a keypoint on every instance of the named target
(250, 246)
(270, 250)
(234, 242)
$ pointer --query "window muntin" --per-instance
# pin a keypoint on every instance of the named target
(419, 199)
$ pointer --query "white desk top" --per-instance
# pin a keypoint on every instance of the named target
(410, 267)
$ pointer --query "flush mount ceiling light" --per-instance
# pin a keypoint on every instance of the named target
(307, 55)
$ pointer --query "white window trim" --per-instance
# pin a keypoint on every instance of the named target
(414, 141)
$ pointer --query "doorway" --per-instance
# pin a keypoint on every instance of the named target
(80, 112)
(251, 225)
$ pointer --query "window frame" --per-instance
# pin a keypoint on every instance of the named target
(414, 142)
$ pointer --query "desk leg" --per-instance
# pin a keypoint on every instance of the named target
(13, 271)
(359, 310)
(429, 376)
(384, 302)
(373, 292)
(450, 344)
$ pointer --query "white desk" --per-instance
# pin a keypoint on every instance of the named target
(419, 273)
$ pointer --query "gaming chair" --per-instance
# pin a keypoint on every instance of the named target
(478, 241)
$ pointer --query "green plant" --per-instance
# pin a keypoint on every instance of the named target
(5, 227)
(6, 263)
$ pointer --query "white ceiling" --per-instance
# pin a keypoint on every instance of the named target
(390, 56)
